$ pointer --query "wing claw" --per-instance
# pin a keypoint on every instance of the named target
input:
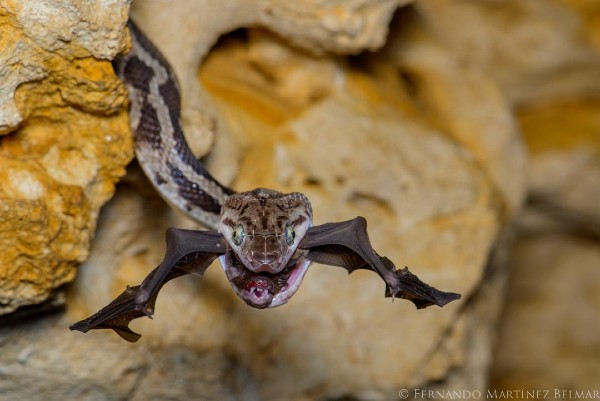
(346, 244)
(410, 287)
(188, 251)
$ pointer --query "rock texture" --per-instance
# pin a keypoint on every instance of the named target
(65, 139)
(417, 133)
(548, 330)
(533, 49)
(556, 273)
(544, 57)
(547, 337)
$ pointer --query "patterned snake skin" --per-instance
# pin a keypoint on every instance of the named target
(160, 145)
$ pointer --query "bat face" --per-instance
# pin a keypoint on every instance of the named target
(263, 229)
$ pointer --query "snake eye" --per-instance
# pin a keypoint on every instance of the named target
(290, 235)
(238, 235)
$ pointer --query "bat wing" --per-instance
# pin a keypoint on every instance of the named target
(188, 251)
(346, 244)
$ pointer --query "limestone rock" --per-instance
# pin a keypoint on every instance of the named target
(38, 362)
(564, 139)
(544, 57)
(548, 337)
(533, 49)
(53, 45)
(447, 89)
(66, 139)
(320, 26)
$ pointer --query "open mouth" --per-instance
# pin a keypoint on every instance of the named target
(264, 290)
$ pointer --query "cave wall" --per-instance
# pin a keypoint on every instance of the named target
(417, 115)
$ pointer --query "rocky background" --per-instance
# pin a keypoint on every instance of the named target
(466, 132)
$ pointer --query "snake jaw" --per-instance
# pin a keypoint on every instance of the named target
(264, 290)
(293, 283)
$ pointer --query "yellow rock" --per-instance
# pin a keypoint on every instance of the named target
(66, 142)
(561, 124)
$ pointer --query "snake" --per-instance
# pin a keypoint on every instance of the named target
(263, 227)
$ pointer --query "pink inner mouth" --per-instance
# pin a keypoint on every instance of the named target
(265, 290)
(293, 282)
(258, 291)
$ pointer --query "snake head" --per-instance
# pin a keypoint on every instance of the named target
(263, 229)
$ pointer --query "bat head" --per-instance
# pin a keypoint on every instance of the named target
(263, 229)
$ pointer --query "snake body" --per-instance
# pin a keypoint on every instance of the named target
(262, 227)
(160, 144)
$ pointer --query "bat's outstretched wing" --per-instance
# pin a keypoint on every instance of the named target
(188, 251)
(346, 244)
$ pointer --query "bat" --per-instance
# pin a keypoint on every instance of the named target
(345, 244)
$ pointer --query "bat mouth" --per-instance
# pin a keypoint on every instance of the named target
(264, 289)
(257, 290)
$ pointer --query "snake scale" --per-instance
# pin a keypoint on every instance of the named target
(160, 145)
(264, 239)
